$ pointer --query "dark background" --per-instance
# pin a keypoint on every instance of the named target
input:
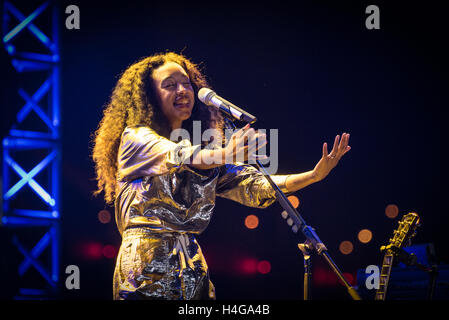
(312, 70)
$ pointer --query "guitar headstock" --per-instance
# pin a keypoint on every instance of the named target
(405, 231)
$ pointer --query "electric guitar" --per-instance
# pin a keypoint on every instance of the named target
(401, 238)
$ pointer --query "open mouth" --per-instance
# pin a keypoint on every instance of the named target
(182, 104)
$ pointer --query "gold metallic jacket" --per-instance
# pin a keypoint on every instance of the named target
(161, 204)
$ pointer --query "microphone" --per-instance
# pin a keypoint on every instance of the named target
(210, 98)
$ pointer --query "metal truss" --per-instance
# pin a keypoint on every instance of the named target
(39, 55)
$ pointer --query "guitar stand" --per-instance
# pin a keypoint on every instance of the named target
(313, 242)
(410, 259)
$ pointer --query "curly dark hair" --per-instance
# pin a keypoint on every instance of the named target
(133, 102)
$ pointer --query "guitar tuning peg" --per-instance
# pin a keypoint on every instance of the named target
(289, 221)
(295, 229)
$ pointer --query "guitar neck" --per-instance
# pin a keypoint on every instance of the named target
(384, 276)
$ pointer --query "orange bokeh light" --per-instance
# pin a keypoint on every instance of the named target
(346, 247)
(251, 221)
(294, 201)
(104, 216)
(391, 211)
(365, 235)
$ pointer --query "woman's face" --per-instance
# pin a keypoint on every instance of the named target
(174, 93)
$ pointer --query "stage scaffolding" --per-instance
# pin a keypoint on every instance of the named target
(32, 147)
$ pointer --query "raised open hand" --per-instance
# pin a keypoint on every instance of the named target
(329, 161)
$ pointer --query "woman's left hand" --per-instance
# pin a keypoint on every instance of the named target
(329, 161)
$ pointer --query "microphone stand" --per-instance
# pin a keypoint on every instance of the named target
(312, 243)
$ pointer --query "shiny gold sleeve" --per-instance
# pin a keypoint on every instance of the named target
(143, 152)
(248, 186)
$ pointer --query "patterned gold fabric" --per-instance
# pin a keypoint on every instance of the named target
(161, 204)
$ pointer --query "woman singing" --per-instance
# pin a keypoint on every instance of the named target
(163, 190)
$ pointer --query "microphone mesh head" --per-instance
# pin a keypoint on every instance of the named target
(204, 94)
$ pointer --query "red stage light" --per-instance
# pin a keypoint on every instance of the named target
(323, 277)
(109, 251)
(92, 250)
(264, 267)
(327, 278)
(349, 277)
(248, 266)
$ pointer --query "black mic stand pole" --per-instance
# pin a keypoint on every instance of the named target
(312, 242)
(305, 249)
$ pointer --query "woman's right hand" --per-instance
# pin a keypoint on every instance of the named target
(243, 145)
